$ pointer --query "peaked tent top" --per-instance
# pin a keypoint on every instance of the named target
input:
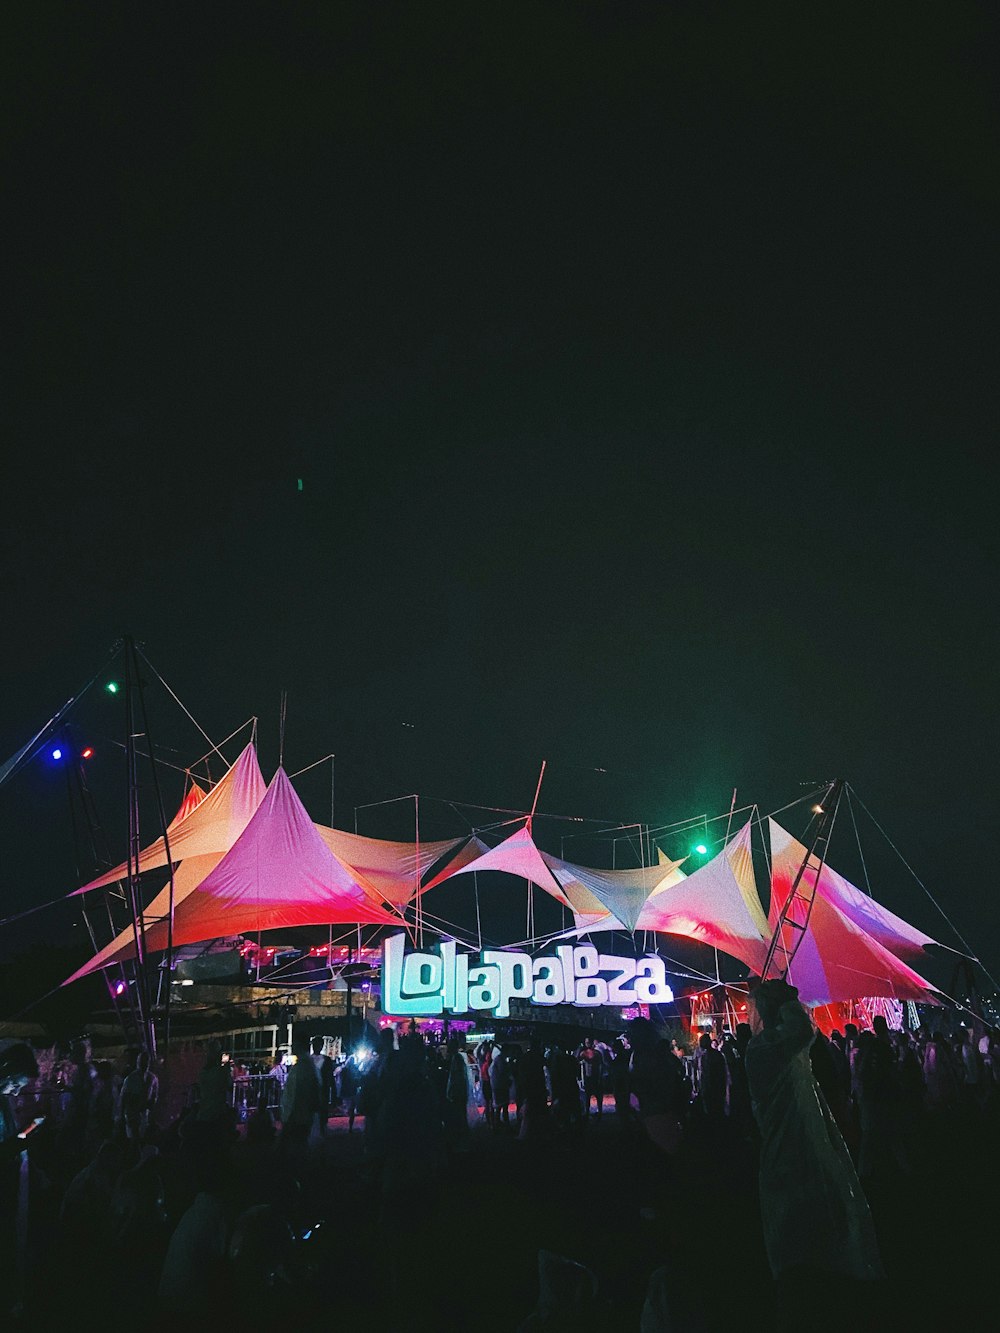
(393, 870)
(891, 931)
(717, 904)
(516, 855)
(837, 959)
(620, 895)
(278, 873)
(192, 797)
(213, 825)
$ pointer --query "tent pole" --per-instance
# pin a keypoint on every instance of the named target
(134, 848)
(829, 806)
(168, 961)
(534, 803)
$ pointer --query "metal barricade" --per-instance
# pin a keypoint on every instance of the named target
(254, 1091)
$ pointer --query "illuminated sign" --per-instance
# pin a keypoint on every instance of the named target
(425, 984)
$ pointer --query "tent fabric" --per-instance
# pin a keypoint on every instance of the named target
(891, 931)
(717, 905)
(213, 825)
(836, 959)
(187, 877)
(393, 870)
(621, 894)
(278, 873)
(193, 797)
(516, 855)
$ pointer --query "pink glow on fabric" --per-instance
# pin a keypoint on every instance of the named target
(516, 855)
(891, 931)
(620, 894)
(392, 870)
(717, 904)
(212, 826)
(194, 797)
(279, 873)
(837, 959)
(187, 876)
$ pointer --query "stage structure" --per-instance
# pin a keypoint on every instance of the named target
(242, 857)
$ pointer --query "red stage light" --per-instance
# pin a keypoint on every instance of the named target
(88, 753)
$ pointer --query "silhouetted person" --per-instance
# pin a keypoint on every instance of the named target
(592, 1076)
(17, 1068)
(711, 1081)
(323, 1066)
(300, 1100)
(815, 1216)
(620, 1057)
(500, 1079)
(140, 1092)
(533, 1095)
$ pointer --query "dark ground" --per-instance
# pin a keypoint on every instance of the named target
(469, 1259)
(462, 1252)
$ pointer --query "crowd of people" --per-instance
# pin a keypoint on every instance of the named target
(183, 1205)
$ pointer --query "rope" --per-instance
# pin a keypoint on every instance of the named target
(958, 934)
(251, 721)
(282, 714)
(308, 768)
(857, 839)
(182, 707)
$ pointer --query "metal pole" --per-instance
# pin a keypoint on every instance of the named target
(134, 848)
(821, 842)
(350, 999)
(167, 964)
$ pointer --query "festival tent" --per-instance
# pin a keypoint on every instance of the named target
(212, 826)
(394, 870)
(192, 797)
(836, 959)
(278, 873)
(615, 895)
(187, 876)
(891, 931)
(516, 855)
(591, 895)
(717, 904)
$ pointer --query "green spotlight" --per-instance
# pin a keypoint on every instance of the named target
(701, 849)
(112, 687)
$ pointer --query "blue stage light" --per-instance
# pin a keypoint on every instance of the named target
(57, 753)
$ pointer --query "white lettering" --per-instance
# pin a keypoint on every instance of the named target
(515, 976)
(484, 989)
(549, 987)
(624, 969)
(432, 983)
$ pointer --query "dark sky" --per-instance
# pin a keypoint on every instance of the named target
(638, 363)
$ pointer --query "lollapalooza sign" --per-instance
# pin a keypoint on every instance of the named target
(447, 981)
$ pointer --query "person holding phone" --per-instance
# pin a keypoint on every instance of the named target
(17, 1068)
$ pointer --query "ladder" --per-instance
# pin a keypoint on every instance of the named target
(793, 920)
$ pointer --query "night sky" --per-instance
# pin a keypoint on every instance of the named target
(639, 367)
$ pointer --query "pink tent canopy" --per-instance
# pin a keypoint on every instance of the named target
(618, 896)
(192, 797)
(211, 826)
(393, 870)
(717, 904)
(516, 855)
(891, 931)
(278, 873)
(837, 959)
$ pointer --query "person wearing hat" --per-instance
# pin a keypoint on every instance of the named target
(815, 1216)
